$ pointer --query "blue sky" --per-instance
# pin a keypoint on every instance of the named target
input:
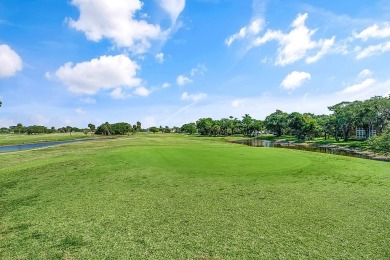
(170, 62)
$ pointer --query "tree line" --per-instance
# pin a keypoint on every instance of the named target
(370, 115)
(38, 129)
(104, 129)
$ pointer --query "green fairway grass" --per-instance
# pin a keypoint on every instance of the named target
(171, 196)
(14, 139)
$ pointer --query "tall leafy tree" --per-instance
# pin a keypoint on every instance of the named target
(204, 125)
(106, 128)
(138, 126)
(258, 125)
(92, 128)
(129, 129)
(276, 122)
(153, 129)
(296, 122)
(69, 130)
(216, 128)
(326, 125)
(345, 118)
(382, 107)
(247, 124)
(19, 126)
(232, 124)
(188, 128)
(310, 126)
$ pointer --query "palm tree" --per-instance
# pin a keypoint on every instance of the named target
(247, 121)
(106, 128)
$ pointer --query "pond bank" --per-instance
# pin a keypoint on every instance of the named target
(31, 146)
(330, 149)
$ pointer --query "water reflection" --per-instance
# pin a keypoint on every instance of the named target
(312, 148)
(10, 148)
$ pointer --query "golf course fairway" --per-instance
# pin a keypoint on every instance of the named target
(172, 196)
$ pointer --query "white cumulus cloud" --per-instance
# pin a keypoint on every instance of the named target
(115, 20)
(173, 8)
(166, 85)
(142, 91)
(199, 69)
(297, 43)
(250, 30)
(326, 45)
(374, 31)
(160, 57)
(183, 80)
(118, 93)
(295, 79)
(193, 97)
(373, 50)
(105, 72)
(10, 62)
(360, 86)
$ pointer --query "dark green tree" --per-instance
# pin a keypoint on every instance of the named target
(19, 126)
(69, 129)
(139, 126)
(276, 122)
(92, 128)
(204, 126)
(129, 129)
(188, 128)
(345, 119)
(247, 125)
(153, 129)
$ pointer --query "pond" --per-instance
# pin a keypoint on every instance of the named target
(20, 147)
(312, 148)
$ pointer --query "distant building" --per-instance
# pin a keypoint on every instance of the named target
(364, 133)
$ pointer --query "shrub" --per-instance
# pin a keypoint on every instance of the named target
(380, 143)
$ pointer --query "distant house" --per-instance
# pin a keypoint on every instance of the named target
(364, 133)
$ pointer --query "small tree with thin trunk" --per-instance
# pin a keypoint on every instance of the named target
(92, 127)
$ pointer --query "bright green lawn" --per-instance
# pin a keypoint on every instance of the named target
(181, 197)
(13, 139)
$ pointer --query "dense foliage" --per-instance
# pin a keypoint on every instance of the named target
(380, 143)
(370, 115)
(116, 129)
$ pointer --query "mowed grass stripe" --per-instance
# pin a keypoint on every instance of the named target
(173, 196)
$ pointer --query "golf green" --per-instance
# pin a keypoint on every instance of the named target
(164, 196)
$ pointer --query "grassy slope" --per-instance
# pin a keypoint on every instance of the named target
(14, 139)
(174, 196)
